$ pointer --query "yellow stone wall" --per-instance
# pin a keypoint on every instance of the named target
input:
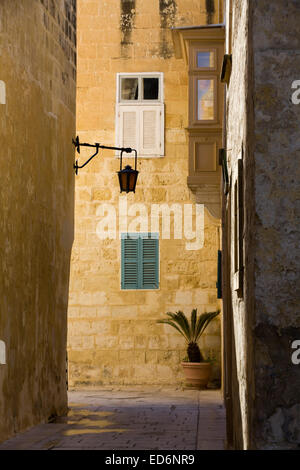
(37, 123)
(113, 334)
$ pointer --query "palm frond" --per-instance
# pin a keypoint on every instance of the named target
(182, 319)
(203, 322)
(179, 319)
(191, 331)
(177, 327)
(193, 323)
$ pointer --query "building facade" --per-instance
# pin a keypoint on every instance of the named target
(133, 91)
(37, 106)
(208, 95)
(261, 226)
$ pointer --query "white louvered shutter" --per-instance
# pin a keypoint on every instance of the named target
(151, 139)
(127, 126)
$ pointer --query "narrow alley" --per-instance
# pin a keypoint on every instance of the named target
(136, 418)
(149, 228)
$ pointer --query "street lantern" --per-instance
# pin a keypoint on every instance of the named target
(127, 176)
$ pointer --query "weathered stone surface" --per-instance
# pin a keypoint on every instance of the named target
(134, 37)
(277, 222)
(135, 418)
(265, 48)
(37, 124)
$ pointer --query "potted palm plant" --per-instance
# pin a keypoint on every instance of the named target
(197, 371)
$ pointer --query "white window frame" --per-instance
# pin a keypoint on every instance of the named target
(140, 77)
(141, 105)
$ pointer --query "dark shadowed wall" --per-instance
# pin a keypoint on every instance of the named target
(37, 108)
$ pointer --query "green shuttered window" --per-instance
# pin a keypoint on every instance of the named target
(139, 261)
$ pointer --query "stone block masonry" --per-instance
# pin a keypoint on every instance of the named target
(38, 69)
(114, 337)
(265, 390)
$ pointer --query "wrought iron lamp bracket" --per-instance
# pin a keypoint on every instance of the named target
(98, 146)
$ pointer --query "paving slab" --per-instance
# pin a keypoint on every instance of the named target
(132, 418)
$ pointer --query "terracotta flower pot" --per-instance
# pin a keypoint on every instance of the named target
(197, 374)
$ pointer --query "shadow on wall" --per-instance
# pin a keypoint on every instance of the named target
(233, 404)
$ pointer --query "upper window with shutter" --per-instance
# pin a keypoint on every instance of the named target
(140, 113)
(139, 261)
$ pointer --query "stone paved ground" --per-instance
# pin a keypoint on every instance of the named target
(132, 419)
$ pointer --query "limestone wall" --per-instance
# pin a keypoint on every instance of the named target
(238, 144)
(113, 334)
(277, 224)
(262, 119)
(37, 106)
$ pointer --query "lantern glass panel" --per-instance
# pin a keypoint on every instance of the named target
(123, 181)
(132, 180)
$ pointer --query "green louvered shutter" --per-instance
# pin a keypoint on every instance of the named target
(148, 278)
(129, 257)
(139, 261)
